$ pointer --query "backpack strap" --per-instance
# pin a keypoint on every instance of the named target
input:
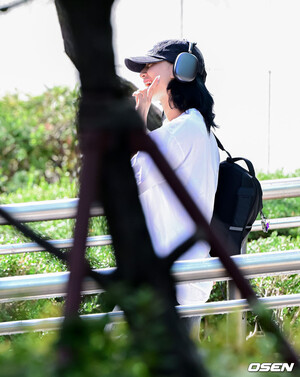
(230, 159)
(220, 145)
(247, 162)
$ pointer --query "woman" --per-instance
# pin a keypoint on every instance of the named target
(186, 141)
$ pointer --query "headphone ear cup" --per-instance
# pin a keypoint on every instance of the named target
(185, 67)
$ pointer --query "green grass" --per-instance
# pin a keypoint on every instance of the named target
(44, 262)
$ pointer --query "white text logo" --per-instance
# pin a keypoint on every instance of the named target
(270, 367)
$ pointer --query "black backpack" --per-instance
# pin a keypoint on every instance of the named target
(238, 201)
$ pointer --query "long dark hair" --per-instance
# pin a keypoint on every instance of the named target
(187, 95)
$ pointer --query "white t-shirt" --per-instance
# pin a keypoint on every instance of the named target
(193, 155)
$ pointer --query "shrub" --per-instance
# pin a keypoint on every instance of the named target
(38, 138)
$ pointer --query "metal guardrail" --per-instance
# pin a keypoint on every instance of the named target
(47, 210)
(252, 265)
(60, 244)
(282, 223)
(67, 208)
(209, 308)
(53, 285)
(281, 188)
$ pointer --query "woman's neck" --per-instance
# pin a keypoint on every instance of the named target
(170, 112)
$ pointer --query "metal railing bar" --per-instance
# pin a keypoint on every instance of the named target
(60, 244)
(47, 210)
(209, 308)
(231, 306)
(281, 223)
(67, 208)
(103, 240)
(252, 265)
(281, 188)
(50, 285)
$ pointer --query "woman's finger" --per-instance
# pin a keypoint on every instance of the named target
(137, 102)
(139, 92)
(136, 93)
(153, 86)
(138, 97)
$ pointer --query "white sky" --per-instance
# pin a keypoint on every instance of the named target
(241, 40)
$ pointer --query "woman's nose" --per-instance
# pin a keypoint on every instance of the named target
(143, 72)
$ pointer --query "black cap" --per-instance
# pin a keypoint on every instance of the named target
(166, 50)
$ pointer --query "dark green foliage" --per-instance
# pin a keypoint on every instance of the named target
(38, 138)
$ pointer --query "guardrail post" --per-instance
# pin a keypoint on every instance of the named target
(237, 320)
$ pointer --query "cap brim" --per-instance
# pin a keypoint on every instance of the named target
(137, 63)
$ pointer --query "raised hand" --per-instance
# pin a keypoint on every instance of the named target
(143, 98)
